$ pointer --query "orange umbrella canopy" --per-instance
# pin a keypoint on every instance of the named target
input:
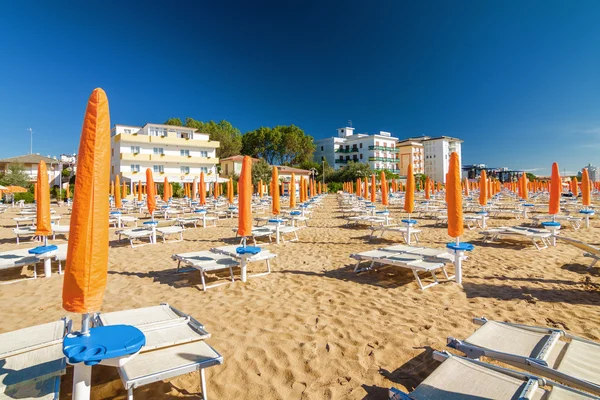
(275, 191)
(292, 191)
(230, 191)
(68, 191)
(574, 185)
(555, 189)
(118, 203)
(427, 185)
(585, 188)
(384, 190)
(466, 187)
(87, 254)
(373, 188)
(260, 188)
(166, 190)
(454, 198)
(15, 189)
(194, 189)
(43, 227)
(124, 193)
(409, 196)
(112, 188)
(483, 189)
(150, 192)
(139, 190)
(245, 199)
(202, 189)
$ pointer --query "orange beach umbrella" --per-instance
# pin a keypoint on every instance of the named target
(68, 191)
(292, 191)
(43, 226)
(454, 198)
(384, 190)
(202, 189)
(555, 189)
(585, 188)
(230, 191)
(87, 254)
(276, 209)
(150, 193)
(483, 189)
(245, 199)
(409, 196)
(166, 190)
(373, 189)
(118, 203)
(139, 190)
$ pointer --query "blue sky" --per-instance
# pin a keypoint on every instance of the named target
(519, 81)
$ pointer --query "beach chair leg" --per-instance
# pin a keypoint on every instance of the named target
(203, 384)
(268, 266)
(593, 263)
(448, 277)
(231, 274)
(416, 274)
(416, 238)
(203, 281)
(130, 393)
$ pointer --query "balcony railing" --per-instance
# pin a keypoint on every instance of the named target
(342, 161)
(395, 171)
(390, 149)
(352, 150)
(384, 159)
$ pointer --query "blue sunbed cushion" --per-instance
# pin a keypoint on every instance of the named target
(150, 223)
(551, 224)
(410, 221)
(200, 211)
(295, 213)
(462, 246)
(115, 213)
(102, 343)
(43, 249)
(278, 221)
(248, 250)
(588, 212)
(481, 213)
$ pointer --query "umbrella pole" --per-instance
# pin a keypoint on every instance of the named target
(82, 374)
(243, 262)
(408, 230)
(458, 263)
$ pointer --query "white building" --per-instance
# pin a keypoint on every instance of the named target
(593, 172)
(30, 163)
(378, 150)
(175, 152)
(437, 152)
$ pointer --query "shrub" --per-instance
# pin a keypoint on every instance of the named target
(27, 196)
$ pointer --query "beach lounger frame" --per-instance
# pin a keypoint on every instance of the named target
(161, 357)
(537, 362)
(136, 233)
(216, 264)
(394, 228)
(528, 386)
(494, 234)
(589, 250)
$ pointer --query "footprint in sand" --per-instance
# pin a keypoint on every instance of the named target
(298, 389)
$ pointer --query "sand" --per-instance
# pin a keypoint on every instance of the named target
(313, 329)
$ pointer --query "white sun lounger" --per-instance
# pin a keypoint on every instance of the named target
(32, 361)
(26, 231)
(206, 261)
(174, 346)
(21, 258)
(459, 378)
(264, 255)
(589, 250)
(417, 259)
(575, 222)
(170, 230)
(136, 233)
(539, 237)
(403, 230)
(552, 353)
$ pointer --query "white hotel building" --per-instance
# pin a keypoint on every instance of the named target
(378, 150)
(175, 152)
(436, 153)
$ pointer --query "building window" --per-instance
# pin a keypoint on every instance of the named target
(135, 149)
(126, 130)
(204, 169)
(184, 153)
(321, 148)
(154, 131)
(112, 152)
(159, 150)
(135, 168)
(159, 168)
(203, 153)
(360, 145)
(361, 156)
(185, 170)
(112, 169)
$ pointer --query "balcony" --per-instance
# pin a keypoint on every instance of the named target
(352, 150)
(131, 138)
(183, 159)
(395, 171)
(134, 157)
(172, 139)
(342, 161)
(384, 159)
(383, 148)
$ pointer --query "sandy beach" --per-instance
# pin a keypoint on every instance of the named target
(313, 329)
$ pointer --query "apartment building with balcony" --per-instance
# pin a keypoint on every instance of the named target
(30, 163)
(410, 152)
(379, 150)
(436, 153)
(175, 152)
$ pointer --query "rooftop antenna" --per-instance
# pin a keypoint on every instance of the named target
(350, 123)
(31, 140)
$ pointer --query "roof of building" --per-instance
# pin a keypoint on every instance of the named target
(443, 137)
(238, 158)
(171, 126)
(28, 159)
(284, 168)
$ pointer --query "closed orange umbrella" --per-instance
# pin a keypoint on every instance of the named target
(427, 196)
(483, 189)
(245, 199)
(366, 189)
(585, 188)
(87, 255)
(166, 190)
(466, 187)
(574, 185)
(35, 190)
(43, 225)
(194, 189)
(384, 190)
(118, 203)
(124, 192)
(139, 190)
(373, 189)
(150, 193)
(293, 191)
(555, 189)
(202, 188)
(230, 191)
(409, 197)
(454, 198)
(68, 191)
(275, 191)
(525, 187)
(112, 188)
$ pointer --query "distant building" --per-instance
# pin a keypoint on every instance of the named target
(436, 153)
(378, 150)
(176, 152)
(473, 172)
(593, 173)
(30, 163)
(233, 165)
(410, 152)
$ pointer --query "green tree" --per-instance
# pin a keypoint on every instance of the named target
(174, 122)
(350, 172)
(229, 137)
(281, 145)
(530, 176)
(261, 170)
(15, 176)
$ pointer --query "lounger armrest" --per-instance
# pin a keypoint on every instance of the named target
(480, 321)
(470, 351)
